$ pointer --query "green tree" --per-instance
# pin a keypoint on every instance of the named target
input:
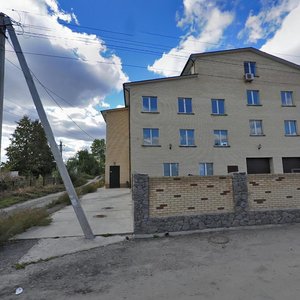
(83, 162)
(29, 152)
(98, 148)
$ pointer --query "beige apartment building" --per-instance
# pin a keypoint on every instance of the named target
(228, 111)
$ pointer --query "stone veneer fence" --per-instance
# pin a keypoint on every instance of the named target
(166, 204)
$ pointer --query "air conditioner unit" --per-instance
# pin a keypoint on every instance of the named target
(249, 77)
(295, 170)
(224, 144)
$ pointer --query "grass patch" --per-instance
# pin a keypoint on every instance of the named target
(24, 194)
(21, 221)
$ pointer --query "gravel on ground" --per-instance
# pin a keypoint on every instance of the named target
(252, 264)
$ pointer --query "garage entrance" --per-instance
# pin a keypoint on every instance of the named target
(258, 165)
(291, 164)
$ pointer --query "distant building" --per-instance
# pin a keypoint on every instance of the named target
(228, 111)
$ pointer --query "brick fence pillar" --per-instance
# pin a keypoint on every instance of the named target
(240, 192)
(140, 196)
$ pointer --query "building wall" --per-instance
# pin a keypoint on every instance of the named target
(117, 144)
(220, 76)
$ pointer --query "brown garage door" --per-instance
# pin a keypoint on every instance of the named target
(258, 165)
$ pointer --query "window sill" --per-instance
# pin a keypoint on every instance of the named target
(150, 112)
(288, 105)
(291, 135)
(151, 146)
(217, 115)
(254, 104)
(257, 135)
(182, 113)
(219, 146)
(187, 146)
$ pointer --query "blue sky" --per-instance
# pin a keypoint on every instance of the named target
(83, 51)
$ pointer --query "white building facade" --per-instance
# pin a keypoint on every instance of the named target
(229, 111)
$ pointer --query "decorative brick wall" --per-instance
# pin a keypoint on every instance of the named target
(268, 191)
(173, 196)
(155, 213)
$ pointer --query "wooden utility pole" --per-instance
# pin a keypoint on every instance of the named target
(2, 61)
(48, 131)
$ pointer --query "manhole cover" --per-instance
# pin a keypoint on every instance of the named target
(99, 216)
(218, 239)
(108, 207)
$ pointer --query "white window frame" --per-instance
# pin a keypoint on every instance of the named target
(285, 93)
(151, 137)
(220, 138)
(255, 122)
(252, 92)
(184, 105)
(205, 164)
(149, 103)
(170, 169)
(289, 126)
(218, 107)
(186, 137)
(249, 67)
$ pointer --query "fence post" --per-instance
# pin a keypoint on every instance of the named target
(140, 196)
(240, 192)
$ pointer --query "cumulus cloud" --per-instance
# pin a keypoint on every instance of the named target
(268, 20)
(285, 43)
(78, 67)
(205, 23)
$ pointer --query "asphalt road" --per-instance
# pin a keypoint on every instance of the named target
(244, 264)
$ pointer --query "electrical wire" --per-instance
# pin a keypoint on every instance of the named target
(119, 32)
(53, 99)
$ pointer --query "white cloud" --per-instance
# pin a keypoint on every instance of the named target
(120, 106)
(83, 81)
(206, 23)
(268, 20)
(285, 42)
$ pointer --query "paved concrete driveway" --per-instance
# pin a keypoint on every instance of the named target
(109, 211)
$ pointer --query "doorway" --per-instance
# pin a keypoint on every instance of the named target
(114, 176)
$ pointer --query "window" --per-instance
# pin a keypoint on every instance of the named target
(206, 169)
(218, 106)
(149, 104)
(232, 169)
(250, 67)
(253, 97)
(221, 138)
(256, 127)
(151, 136)
(185, 105)
(187, 137)
(290, 127)
(287, 98)
(171, 169)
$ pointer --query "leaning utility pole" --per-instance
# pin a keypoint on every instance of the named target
(60, 147)
(2, 60)
(41, 112)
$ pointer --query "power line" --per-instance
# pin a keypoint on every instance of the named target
(119, 32)
(53, 100)
(143, 67)
(8, 112)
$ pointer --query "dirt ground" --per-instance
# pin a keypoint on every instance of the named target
(243, 264)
